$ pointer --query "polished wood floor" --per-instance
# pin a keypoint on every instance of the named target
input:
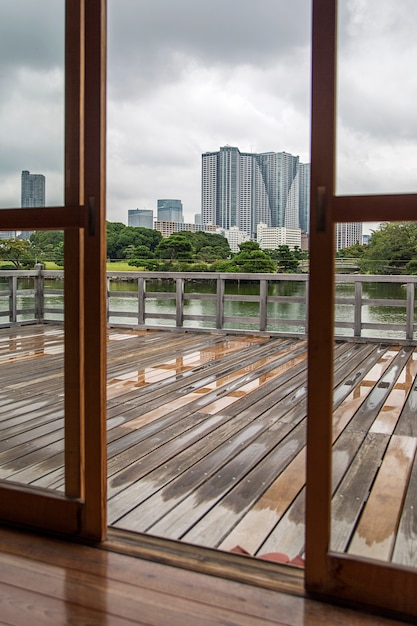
(49, 582)
(206, 437)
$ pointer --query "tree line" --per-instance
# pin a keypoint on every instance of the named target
(146, 249)
(391, 250)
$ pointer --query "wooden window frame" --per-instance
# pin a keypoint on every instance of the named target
(328, 574)
(82, 509)
(82, 218)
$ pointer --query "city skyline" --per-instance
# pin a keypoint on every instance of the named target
(244, 189)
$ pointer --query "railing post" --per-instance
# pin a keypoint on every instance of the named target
(179, 302)
(141, 300)
(357, 322)
(263, 296)
(12, 299)
(39, 293)
(409, 331)
(220, 303)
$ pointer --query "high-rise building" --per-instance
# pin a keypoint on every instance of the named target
(170, 211)
(243, 189)
(140, 217)
(32, 193)
(347, 234)
(33, 189)
(304, 197)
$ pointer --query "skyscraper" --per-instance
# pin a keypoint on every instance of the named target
(243, 189)
(32, 193)
(347, 234)
(33, 190)
(140, 217)
(170, 211)
(304, 204)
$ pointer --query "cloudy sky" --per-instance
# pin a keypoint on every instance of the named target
(187, 76)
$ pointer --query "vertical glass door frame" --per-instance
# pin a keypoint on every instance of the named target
(81, 510)
(329, 574)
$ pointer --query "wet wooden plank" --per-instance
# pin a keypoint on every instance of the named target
(213, 397)
(263, 516)
(374, 535)
(351, 495)
(205, 485)
(216, 524)
(405, 549)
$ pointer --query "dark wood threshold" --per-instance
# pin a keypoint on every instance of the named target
(237, 567)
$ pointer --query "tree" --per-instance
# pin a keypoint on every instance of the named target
(18, 252)
(357, 251)
(390, 249)
(48, 245)
(176, 246)
(250, 259)
(122, 240)
(287, 260)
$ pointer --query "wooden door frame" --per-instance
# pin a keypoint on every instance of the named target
(82, 509)
(329, 574)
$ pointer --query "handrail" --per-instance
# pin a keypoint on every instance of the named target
(277, 303)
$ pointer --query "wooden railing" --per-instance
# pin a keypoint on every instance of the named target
(161, 300)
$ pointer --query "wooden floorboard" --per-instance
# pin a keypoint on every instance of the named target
(206, 437)
(46, 581)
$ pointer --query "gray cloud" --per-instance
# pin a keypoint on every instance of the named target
(187, 76)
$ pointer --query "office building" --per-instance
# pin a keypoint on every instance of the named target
(32, 193)
(33, 190)
(170, 211)
(168, 228)
(347, 234)
(140, 217)
(304, 197)
(270, 237)
(244, 189)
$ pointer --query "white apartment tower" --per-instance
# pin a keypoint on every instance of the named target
(347, 234)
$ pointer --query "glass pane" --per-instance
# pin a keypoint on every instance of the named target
(32, 103)
(207, 432)
(374, 436)
(31, 361)
(377, 91)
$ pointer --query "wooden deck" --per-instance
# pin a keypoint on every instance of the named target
(206, 437)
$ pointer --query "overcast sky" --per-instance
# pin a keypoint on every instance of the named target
(187, 76)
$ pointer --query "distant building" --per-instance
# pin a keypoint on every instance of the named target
(269, 238)
(347, 234)
(304, 196)
(140, 217)
(170, 211)
(168, 228)
(305, 242)
(241, 189)
(32, 193)
(197, 218)
(234, 236)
